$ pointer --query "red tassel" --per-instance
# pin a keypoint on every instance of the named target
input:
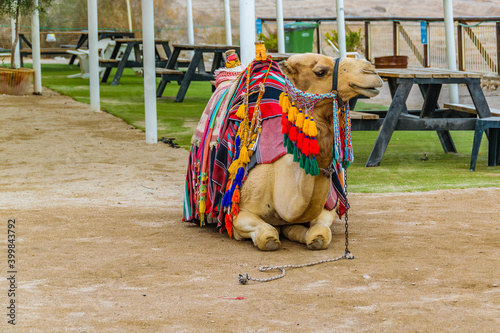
(293, 134)
(314, 147)
(285, 124)
(229, 224)
(306, 146)
(300, 140)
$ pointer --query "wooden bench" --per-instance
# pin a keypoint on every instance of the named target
(46, 51)
(363, 115)
(469, 108)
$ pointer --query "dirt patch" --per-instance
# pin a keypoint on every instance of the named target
(101, 246)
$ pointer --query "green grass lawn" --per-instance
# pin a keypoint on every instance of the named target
(414, 161)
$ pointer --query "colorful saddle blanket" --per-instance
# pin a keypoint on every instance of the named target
(213, 143)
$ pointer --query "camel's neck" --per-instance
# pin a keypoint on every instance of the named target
(323, 116)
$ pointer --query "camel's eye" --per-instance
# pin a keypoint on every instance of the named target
(320, 71)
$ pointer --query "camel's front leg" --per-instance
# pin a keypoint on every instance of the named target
(263, 235)
(318, 236)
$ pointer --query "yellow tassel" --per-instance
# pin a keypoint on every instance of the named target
(285, 104)
(233, 168)
(299, 122)
(305, 127)
(244, 159)
(282, 95)
(292, 114)
(241, 111)
(313, 130)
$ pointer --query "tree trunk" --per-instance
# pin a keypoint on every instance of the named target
(16, 40)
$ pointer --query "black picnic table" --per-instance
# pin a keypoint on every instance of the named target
(62, 49)
(196, 69)
(162, 53)
(430, 116)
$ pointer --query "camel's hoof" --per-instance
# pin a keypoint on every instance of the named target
(272, 244)
(317, 243)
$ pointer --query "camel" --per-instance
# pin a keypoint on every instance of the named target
(280, 196)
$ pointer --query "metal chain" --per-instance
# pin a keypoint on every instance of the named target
(346, 216)
(244, 278)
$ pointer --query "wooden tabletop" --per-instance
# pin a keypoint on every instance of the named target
(281, 56)
(139, 40)
(205, 46)
(418, 72)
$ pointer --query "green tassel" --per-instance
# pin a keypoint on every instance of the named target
(307, 166)
(346, 164)
(285, 140)
(302, 161)
(295, 154)
(314, 167)
(289, 146)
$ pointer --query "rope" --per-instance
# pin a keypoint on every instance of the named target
(244, 278)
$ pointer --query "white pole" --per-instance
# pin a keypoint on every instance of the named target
(280, 26)
(17, 57)
(227, 21)
(35, 47)
(341, 28)
(129, 14)
(450, 46)
(247, 31)
(189, 8)
(148, 32)
(93, 56)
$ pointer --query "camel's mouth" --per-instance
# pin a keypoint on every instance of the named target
(367, 91)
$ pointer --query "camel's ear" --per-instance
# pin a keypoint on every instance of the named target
(286, 68)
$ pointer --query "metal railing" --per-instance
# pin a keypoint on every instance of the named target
(477, 39)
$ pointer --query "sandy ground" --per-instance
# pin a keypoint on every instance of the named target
(100, 246)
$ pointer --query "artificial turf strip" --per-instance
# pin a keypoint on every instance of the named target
(414, 161)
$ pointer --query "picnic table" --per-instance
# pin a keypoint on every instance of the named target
(162, 54)
(195, 70)
(430, 116)
(62, 49)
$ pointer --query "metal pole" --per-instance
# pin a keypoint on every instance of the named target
(247, 31)
(129, 14)
(227, 20)
(149, 71)
(341, 28)
(93, 56)
(35, 47)
(17, 57)
(367, 41)
(450, 46)
(189, 9)
(280, 26)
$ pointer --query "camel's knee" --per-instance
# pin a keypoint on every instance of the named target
(263, 235)
(318, 236)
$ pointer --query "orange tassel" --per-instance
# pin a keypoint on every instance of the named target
(236, 195)
(235, 210)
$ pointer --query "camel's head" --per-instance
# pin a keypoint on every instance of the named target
(313, 73)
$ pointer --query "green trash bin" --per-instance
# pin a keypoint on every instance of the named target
(299, 37)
